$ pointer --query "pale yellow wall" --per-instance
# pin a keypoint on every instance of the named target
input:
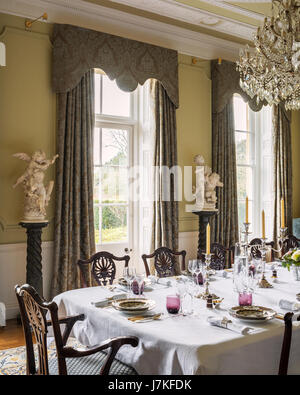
(193, 123)
(27, 116)
(27, 120)
(295, 128)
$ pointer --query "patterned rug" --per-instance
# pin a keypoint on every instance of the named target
(13, 362)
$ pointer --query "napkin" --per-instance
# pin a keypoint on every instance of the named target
(105, 301)
(228, 324)
(160, 280)
(164, 281)
(289, 305)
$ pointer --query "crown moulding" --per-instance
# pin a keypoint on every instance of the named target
(92, 16)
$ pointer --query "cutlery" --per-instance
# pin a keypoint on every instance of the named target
(145, 318)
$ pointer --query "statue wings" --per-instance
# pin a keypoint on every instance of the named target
(23, 156)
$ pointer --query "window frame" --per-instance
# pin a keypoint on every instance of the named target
(131, 125)
(256, 124)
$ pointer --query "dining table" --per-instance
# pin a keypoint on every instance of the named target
(187, 344)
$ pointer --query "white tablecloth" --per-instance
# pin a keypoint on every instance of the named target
(190, 345)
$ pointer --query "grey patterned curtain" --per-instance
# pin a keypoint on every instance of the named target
(282, 167)
(74, 220)
(165, 216)
(225, 228)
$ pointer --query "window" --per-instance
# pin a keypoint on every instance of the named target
(113, 156)
(254, 156)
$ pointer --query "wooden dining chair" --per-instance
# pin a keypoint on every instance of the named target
(220, 255)
(33, 311)
(101, 266)
(289, 243)
(164, 261)
(254, 248)
(286, 344)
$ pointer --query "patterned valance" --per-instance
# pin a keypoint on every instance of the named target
(225, 83)
(77, 50)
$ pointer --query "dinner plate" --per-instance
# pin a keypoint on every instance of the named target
(252, 313)
(133, 305)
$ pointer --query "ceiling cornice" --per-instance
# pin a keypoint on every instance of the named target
(196, 16)
(88, 15)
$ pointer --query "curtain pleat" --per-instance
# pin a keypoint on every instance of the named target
(225, 226)
(165, 213)
(283, 185)
(74, 219)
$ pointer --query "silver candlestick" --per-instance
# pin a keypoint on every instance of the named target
(246, 233)
(263, 248)
(207, 263)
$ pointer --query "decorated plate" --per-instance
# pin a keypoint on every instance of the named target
(252, 313)
(133, 305)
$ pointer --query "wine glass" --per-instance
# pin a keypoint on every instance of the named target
(191, 290)
(181, 291)
(139, 279)
(196, 267)
(129, 273)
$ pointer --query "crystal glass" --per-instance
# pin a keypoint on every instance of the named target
(245, 299)
(191, 292)
(181, 292)
(173, 304)
(129, 274)
(240, 263)
(196, 267)
(138, 284)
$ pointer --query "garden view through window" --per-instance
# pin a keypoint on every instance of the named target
(112, 136)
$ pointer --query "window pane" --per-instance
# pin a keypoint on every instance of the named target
(114, 147)
(97, 190)
(244, 182)
(243, 148)
(114, 185)
(97, 220)
(114, 100)
(97, 146)
(241, 116)
(97, 93)
(242, 213)
(114, 224)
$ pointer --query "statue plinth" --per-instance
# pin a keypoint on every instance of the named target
(204, 217)
(34, 274)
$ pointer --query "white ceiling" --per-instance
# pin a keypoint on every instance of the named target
(88, 13)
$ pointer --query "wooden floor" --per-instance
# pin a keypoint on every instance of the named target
(11, 335)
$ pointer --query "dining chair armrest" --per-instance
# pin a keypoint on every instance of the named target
(69, 321)
(114, 344)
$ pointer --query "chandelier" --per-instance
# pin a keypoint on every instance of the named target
(272, 71)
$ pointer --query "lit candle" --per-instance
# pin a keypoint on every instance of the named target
(282, 213)
(263, 224)
(247, 210)
(208, 239)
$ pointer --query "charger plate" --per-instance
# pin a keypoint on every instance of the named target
(252, 313)
(133, 305)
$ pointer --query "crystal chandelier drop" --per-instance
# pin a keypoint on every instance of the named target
(272, 71)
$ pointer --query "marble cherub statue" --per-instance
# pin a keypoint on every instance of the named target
(198, 190)
(37, 196)
(206, 184)
(211, 182)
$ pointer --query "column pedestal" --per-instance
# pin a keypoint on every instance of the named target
(204, 219)
(34, 274)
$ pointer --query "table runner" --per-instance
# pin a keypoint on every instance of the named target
(189, 345)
